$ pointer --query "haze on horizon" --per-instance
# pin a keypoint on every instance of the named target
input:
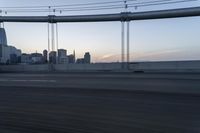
(150, 40)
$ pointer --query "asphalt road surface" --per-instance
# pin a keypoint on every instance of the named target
(99, 103)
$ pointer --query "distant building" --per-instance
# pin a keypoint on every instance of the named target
(45, 53)
(26, 58)
(8, 54)
(36, 58)
(3, 38)
(52, 57)
(62, 52)
(62, 56)
(80, 61)
(63, 60)
(87, 58)
(71, 58)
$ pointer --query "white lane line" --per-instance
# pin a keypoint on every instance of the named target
(24, 80)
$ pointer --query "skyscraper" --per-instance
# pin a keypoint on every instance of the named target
(3, 38)
(62, 56)
(8, 54)
(45, 53)
(52, 57)
(87, 58)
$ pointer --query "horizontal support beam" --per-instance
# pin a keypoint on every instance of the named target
(124, 16)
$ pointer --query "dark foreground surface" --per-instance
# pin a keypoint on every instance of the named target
(99, 103)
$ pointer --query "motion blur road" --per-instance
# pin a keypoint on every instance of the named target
(99, 103)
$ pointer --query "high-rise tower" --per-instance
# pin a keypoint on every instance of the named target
(3, 38)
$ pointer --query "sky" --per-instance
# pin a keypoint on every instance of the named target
(150, 40)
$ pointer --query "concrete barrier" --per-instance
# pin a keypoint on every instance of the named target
(163, 66)
(166, 66)
(61, 67)
(88, 67)
(24, 68)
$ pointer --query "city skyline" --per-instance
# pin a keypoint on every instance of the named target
(174, 39)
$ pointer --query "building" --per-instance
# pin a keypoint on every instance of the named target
(80, 61)
(62, 52)
(87, 58)
(8, 54)
(71, 59)
(26, 58)
(62, 56)
(36, 58)
(52, 57)
(45, 54)
(3, 38)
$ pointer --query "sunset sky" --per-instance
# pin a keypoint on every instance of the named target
(150, 40)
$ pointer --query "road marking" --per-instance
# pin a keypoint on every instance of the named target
(24, 80)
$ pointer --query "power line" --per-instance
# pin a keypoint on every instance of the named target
(99, 7)
(77, 5)
(69, 5)
(161, 3)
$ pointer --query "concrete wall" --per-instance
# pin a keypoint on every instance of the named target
(61, 67)
(167, 66)
(88, 67)
(24, 68)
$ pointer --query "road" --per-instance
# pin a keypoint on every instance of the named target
(99, 103)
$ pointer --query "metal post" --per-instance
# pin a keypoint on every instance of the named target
(57, 41)
(122, 44)
(128, 44)
(52, 37)
(1, 16)
(48, 42)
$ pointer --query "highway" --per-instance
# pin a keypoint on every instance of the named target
(99, 103)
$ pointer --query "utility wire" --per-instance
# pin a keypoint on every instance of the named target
(103, 7)
(69, 5)
(162, 3)
(81, 5)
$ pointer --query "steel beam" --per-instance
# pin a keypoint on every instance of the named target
(124, 16)
(122, 44)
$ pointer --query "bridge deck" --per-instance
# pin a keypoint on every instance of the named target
(96, 103)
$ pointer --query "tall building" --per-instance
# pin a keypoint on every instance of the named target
(45, 53)
(62, 52)
(74, 56)
(71, 59)
(3, 38)
(62, 56)
(87, 58)
(52, 57)
(8, 54)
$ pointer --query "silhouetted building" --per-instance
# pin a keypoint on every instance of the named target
(26, 58)
(74, 56)
(62, 52)
(87, 58)
(71, 58)
(52, 57)
(62, 56)
(8, 54)
(14, 59)
(45, 53)
(36, 58)
(3, 38)
(80, 61)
